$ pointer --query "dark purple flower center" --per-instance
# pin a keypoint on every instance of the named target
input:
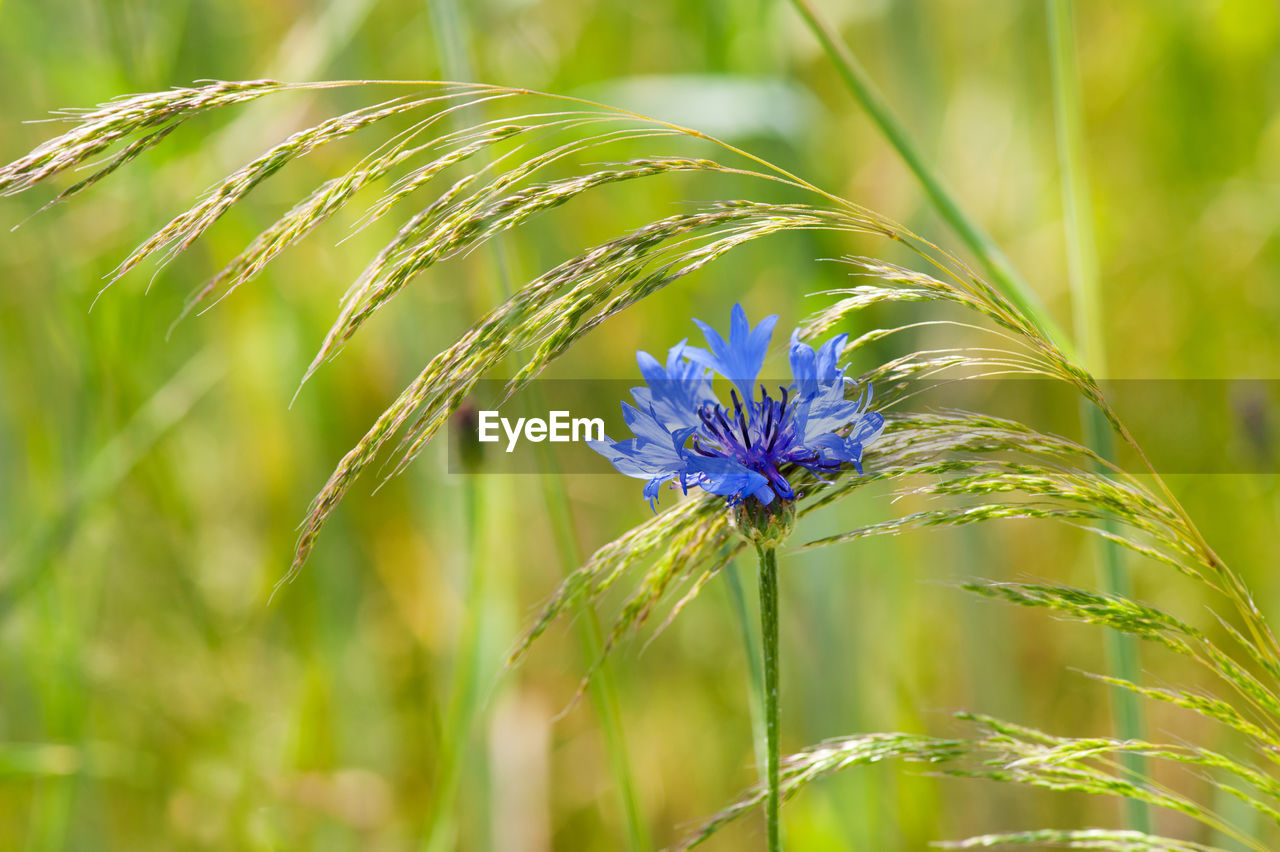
(759, 435)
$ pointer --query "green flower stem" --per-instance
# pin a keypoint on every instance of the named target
(769, 646)
(1082, 268)
(1004, 275)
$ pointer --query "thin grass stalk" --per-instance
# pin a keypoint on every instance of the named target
(1003, 273)
(449, 28)
(56, 625)
(63, 609)
(755, 677)
(1082, 258)
(459, 726)
(1122, 654)
(450, 24)
(1082, 271)
(1122, 651)
(460, 723)
(769, 647)
(602, 688)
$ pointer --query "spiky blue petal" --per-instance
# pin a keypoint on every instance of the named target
(810, 369)
(676, 391)
(739, 360)
(728, 478)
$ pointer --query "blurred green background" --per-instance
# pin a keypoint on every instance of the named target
(152, 698)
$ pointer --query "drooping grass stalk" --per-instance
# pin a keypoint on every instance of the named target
(1082, 271)
(1004, 275)
(1009, 753)
(769, 648)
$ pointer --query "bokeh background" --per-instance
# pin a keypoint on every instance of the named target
(151, 697)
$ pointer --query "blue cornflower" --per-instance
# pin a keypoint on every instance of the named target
(684, 434)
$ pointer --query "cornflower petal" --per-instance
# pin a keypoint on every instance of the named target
(674, 392)
(729, 478)
(739, 360)
(641, 458)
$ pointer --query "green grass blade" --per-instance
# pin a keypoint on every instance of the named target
(464, 696)
(602, 687)
(464, 708)
(1082, 267)
(1082, 259)
(1003, 273)
(450, 24)
(755, 677)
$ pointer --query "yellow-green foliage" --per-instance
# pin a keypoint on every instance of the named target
(411, 687)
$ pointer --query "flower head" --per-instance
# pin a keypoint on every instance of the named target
(684, 434)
